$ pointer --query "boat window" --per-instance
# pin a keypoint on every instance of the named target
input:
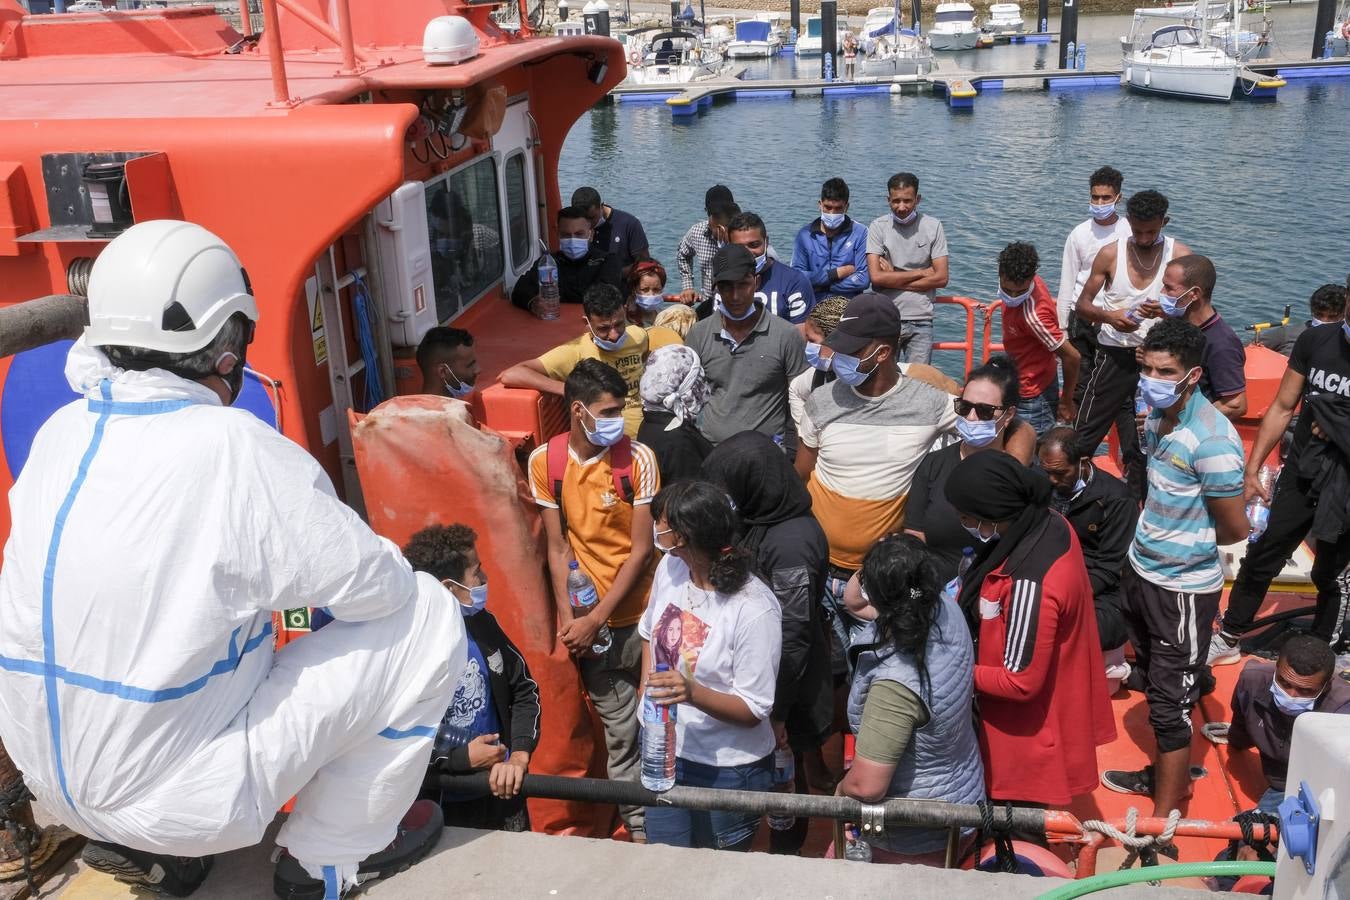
(517, 210)
(955, 16)
(464, 226)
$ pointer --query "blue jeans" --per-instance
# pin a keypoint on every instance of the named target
(920, 334)
(1039, 412)
(1270, 801)
(711, 829)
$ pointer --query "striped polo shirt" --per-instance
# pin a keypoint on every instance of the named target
(1174, 544)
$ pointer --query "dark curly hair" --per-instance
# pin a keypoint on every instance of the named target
(441, 551)
(901, 582)
(700, 513)
(1179, 338)
(1018, 261)
(1146, 206)
(1106, 177)
(1001, 371)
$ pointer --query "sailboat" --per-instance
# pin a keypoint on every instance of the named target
(1180, 58)
(890, 49)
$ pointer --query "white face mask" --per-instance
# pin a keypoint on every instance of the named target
(978, 534)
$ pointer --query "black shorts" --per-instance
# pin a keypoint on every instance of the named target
(1170, 631)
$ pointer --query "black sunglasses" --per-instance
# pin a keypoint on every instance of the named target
(983, 411)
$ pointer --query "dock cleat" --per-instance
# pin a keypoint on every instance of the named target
(417, 834)
(170, 876)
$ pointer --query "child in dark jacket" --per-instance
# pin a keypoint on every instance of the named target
(493, 721)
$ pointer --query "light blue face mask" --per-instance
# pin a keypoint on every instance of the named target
(1172, 307)
(650, 302)
(477, 598)
(1101, 211)
(906, 220)
(460, 392)
(1013, 301)
(607, 431)
(975, 532)
(1160, 393)
(832, 220)
(1290, 705)
(816, 361)
(846, 368)
(978, 433)
(574, 248)
(761, 261)
(1345, 327)
(722, 311)
(611, 346)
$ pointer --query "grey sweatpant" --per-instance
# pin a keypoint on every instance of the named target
(612, 683)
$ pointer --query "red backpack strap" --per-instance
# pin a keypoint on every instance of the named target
(557, 466)
(621, 467)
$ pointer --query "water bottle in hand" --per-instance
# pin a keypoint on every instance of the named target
(582, 595)
(549, 304)
(658, 742)
(855, 848)
(1258, 511)
(784, 774)
(449, 737)
(953, 589)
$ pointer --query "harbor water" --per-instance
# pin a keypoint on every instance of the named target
(1258, 187)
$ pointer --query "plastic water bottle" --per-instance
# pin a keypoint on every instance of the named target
(582, 595)
(855, 848)
(1141, 409)
(549, 304)
(658, 742)
(448, 737)
(1258, 511)
(953, 589)
(784, 774)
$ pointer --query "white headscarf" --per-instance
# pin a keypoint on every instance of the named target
(673, 380)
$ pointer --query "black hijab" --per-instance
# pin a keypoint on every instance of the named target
(752, 469)
(994, 487)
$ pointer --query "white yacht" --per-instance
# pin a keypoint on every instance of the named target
(1004, 19)
(890, 49)
(751, 41)
(809, 41)
(954, 27)
(674, 57)
(1178, 58)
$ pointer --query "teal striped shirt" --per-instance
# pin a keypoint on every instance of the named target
(1174, 544)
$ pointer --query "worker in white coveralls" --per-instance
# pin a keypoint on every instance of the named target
(155, 529)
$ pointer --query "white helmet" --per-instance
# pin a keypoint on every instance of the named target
(165, 285)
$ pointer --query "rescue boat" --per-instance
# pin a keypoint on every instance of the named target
(380, 169)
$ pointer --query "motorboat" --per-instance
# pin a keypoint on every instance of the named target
(1338, 38)
(1004, 19)
(717, 36)
(809, 41)
(673, 57)
(778, 31)
(1180, 58)
(751, 40)
(889, 49)
(954, 27)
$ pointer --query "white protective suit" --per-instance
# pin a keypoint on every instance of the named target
(154, 532)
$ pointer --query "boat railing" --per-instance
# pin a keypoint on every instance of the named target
(979, 318)
(874, 819)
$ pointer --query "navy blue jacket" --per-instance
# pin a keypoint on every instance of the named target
(785, 292)
(817, 256)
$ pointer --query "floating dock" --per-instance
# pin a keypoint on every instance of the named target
(1260, 81)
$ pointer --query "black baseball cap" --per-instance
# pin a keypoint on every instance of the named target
(868, 317)
(732, 263)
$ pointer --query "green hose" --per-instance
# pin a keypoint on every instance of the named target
(1156, 873)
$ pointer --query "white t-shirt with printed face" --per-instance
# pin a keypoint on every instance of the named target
(729, 643)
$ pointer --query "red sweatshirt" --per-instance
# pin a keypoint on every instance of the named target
(1039, 677)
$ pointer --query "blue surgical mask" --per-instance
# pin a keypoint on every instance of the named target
(761, 261)
(832, 220)
(977, 433)
(906, 220)
(607, 431)
(650, 301)
(463, 390)
(846, 368)
(1172, 306)
(722, 311)
(574, 248)
(977, 535)
(1102, 211)
(477, 598)
(611, 346)
(1290, 705)
(816, 361)
(1160, 393)
(1013, 301)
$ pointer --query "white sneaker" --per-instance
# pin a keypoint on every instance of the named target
(1118, 671)
(1223, 651)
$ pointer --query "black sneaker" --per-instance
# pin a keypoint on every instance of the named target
(172, 876)
(1123, 781)
(417, 834)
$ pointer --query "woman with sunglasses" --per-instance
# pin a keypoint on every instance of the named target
(986, 418)
(1039, 678)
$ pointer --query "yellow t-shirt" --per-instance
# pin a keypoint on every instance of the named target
(629, 360)
(599, 521)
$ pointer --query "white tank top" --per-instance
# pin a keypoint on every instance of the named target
(1122, 294)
